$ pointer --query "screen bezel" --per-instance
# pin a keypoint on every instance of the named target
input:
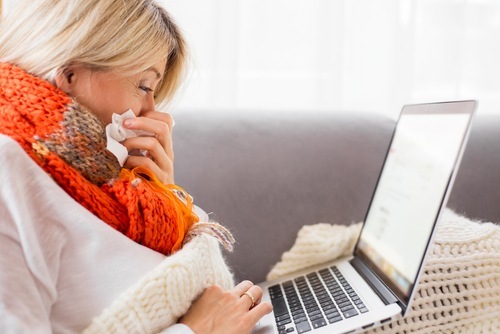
(452, 107)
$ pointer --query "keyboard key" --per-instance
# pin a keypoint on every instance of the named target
(339, 294)
(275, 288)
(312, 314)
(332, 311)
(283, 317)
(319, 323)
(303, 327)
(307, 298)
(312, 309)
(279, 306)
(300, 319)
(334, 319)
(313, 294)
(309, 301)
(347, 308)
(326, 300)
(316, 317)
(283, 322)
(342, 300)
(328, 306)
(350, 313)
(298, 313)
(344, 303)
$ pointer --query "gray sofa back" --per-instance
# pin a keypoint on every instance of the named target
(265, 176)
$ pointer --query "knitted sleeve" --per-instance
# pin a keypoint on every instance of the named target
(166, 293)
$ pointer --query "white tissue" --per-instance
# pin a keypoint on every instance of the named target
(116, 133)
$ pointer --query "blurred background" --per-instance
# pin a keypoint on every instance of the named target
(339, 55)
(326, 56)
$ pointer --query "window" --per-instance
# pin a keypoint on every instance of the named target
(326, 56)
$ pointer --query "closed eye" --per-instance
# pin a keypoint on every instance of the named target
(146, 89)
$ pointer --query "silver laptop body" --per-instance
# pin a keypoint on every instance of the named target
(377, 283)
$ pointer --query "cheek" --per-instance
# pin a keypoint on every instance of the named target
(107, 101)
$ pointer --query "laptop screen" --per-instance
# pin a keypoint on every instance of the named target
(411, 190)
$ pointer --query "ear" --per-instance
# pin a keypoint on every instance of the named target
(65, 79)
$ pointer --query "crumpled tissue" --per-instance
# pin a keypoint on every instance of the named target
(116, 133)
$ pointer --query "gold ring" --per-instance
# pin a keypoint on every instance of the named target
(251, 298)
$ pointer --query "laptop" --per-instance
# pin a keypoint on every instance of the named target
(378, 282)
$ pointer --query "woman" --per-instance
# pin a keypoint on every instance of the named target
(88, 244)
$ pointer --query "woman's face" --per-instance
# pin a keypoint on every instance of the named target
(105, 93)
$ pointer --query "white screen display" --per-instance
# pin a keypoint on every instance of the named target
(410, 192)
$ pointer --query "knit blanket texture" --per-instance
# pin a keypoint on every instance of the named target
(166, 293)
(68, 141)
(459, 290)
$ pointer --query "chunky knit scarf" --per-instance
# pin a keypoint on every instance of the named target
(68, 141)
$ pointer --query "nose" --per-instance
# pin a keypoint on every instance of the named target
(148, 103)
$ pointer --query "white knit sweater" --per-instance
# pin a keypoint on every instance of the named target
(165, 294)
(459, 291)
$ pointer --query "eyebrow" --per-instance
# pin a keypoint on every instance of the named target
(153, 69)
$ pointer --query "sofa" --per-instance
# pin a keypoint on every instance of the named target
(265, 175)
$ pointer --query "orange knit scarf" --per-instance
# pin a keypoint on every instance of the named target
(69, 143)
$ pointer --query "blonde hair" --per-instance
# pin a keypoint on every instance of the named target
(126, 36)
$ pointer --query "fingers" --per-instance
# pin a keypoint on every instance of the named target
(252, 296)
(228, 312)
(156, 160)
(153, 148)
(259, 311)
(159, 157)
(160, 116)
(251, 299)
(164, 175)
(241, 288)
(158, 123)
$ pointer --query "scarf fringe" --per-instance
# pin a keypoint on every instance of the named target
(214, 229)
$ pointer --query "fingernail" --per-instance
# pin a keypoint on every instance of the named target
(128, 122)
(173, 122)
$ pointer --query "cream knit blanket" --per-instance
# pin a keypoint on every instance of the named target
(459, 291)
(166, 293)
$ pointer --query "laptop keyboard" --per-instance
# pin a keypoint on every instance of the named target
(313, 301)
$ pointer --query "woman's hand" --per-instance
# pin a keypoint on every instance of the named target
(227, 312)
(160, 153)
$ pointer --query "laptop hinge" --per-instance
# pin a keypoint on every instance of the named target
(375, 283)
